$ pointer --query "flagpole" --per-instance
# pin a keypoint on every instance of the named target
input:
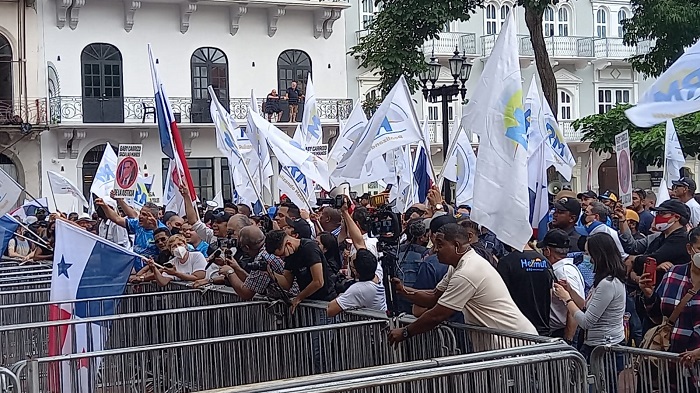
(27, 192)
(53, 196)
(450, 151)
(27, 229)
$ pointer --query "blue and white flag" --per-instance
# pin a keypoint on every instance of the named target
(496, 114)
(8, 226)
(311, 130)
(675, 93)
(62, 185)
(290, 153)
(392, 126)
(674, 160)
(293, 183)
(142, 193)
(258, 144)
(9, 192)
(543, 128)
(461, 167)
(85, 266)
(103, 182)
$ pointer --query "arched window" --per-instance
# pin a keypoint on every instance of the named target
(103, 95)
(549, 21)
(90, 163)
(292, 65)
(565, 106)
(601, 23)
(209, 66)
(7, 165)
(563, 21)
(621, 15)
(54, 84)
(491, 20)
(5, 72)
(505, 9)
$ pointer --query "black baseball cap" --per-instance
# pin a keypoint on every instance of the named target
(301, 227)
(438, 222)
(673, 206)
(685, 182)
(221, 217)
(587, 194)
(556, 238)
(571, 205)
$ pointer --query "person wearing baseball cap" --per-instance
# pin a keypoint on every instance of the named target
(609, 199)
(587, 198)
(567, 211)
(683, 189)
(633, 222)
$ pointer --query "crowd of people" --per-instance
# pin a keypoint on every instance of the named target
(602, 274)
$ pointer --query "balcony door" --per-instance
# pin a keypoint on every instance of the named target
(5, 78)
(103, 81)
(209, 67)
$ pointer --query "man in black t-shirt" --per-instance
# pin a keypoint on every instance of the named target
(292, 97)
(303, 261)
(528, 276)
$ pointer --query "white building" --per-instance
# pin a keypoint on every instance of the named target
(93, 65)
(584, 42)
(22, 94)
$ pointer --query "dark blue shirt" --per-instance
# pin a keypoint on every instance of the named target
(645, 221)
(430, 273)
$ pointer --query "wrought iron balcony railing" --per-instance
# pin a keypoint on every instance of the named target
(70, 109)
(31, 110)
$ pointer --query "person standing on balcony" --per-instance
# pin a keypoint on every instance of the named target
(293, 95)
(272, 106)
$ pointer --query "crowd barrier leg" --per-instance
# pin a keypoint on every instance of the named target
(9, 383)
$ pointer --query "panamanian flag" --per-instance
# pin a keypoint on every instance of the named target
(8, 226)
(85, 266)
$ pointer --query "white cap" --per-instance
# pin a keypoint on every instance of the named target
(30, 220)
(212, 204)
(84, 216)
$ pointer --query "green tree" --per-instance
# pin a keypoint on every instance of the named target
(646, 144)
(672, 26)
(392, 47)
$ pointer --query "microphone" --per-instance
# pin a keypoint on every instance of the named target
(211, 258)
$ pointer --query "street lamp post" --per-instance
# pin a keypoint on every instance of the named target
(460, 70)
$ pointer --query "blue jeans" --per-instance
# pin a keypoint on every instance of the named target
(635, 323)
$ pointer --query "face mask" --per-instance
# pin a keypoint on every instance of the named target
(662, 223)
(175, 231)
(179, 252)
(696, 259)
(586, 259)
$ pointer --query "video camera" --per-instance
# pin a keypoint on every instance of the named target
(335, 203)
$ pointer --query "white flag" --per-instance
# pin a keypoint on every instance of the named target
(674, 159)
(393, 125)
(103, 182)
(9, 192)
(294, 184)
(312, 133)
(496, 114)
(172, 198)
(543, 128)
(61, 185)
(258, 145)
(675, 93)
(290, 153)
(461, 167)
(399, 160)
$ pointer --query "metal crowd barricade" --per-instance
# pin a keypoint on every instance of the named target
(17, 342)
(564, 371)
(24, 296)
(13, 314)
(642, 371)
(18, 286)
(24, 279)
(380, 371)
(24, 268)
(215, 362)
(25, 273)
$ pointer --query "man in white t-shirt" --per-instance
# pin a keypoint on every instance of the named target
(471, 286)
(684, 190)
(555, 247)
(360, 218)
(368, 291)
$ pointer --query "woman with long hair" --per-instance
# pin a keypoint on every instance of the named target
(329, 246)
(602, 312)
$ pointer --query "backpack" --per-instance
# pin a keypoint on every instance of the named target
(409, 259)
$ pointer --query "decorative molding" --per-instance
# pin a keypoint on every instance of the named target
(566, 77)
(320, 17)
(236, 12)
(273, 15)
(130, 7)
(187, 141)
(601, 64)
(69, 144)
(75, 13)
(328, 25)
(138, 136)
(62, 12)
(186, 11)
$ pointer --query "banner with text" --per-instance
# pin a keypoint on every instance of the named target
(127, 172)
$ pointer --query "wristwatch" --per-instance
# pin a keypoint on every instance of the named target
(438, 206)
(230, 272)
(568, 301)
(404, 332)
(142, 277)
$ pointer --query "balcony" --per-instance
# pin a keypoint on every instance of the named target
(615, 49)
(570, 134)
(557, 47)
(32, 110)
(69, 109)
(445, 45)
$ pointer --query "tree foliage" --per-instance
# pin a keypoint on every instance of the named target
(392, 46)
(672, 25)
(646, 144)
